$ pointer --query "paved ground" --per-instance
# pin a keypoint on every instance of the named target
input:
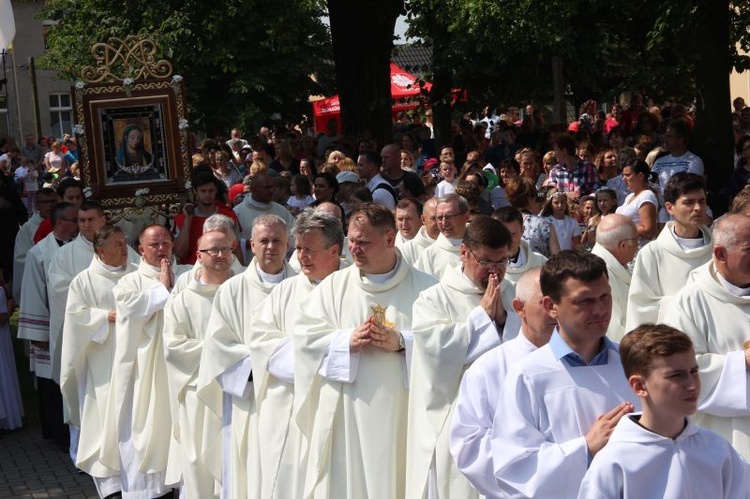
(31, 467)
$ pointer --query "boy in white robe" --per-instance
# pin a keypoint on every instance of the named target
(138, 407)
(426, 235)
(559, 403)
(662, 266)
(452, 215)
(227, 357)
(463, 316)
(88, 350)
(714, 310)
(660, 453)
(318, 241)
(186, 316)
(471, 430)
(350, 366)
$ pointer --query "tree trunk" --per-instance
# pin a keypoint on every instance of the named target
(362, 37)
(713, 138)
(442, 84)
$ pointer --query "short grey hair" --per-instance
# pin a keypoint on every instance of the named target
(268, 221)
(528, 284)
(329, 226)
(609, 239)
(463, 204)
(220, 223)
(725, 230)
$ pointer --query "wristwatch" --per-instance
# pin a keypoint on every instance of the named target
(401, 343)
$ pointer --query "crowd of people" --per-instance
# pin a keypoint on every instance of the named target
(526, 311)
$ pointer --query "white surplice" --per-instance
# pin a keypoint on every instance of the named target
(272, 349)
(411, 250)
(471, 429)
(186, 317)
(87, 356)
(248, 210)
(439, 257)
(352, 407)
(619, 282)
(138, 403)
(637, 463)
(530, 259)
(227, 359)
(545, 410)
(24, 242)
(661, 270)
(451, 330)
(33, 319)
(718, 322)
(69, 261)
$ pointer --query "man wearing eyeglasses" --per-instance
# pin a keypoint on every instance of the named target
(616, 244)
(139, 408)
(452, 215)
(186, 317)
(33, 321)
(455, 321)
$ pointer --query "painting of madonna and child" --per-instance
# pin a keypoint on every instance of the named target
(134, 145)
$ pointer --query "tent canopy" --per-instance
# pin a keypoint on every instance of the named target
(405, 90)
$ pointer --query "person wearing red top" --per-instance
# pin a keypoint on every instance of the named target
(189, 223)
(69, 190)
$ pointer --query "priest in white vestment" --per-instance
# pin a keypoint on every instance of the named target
(408, 220)
(195, 427)
(466, 314)
(331, 209)
(33, 320)
(471, 428)
(425, 236)
(45, 200)
(714, 310)
(559, 403)
(616, 244)
(521, 258)
(350, 366)
(88, 351)
(662, 266)
(318, 239)
(138, 407)
(452, 214)
(227, 357)
(260, 202)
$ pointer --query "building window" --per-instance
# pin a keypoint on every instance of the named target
(61, 115)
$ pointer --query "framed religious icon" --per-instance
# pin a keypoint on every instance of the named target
(131, 130)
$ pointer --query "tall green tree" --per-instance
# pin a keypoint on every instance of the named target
(242, 60)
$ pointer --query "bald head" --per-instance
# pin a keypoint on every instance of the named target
(429, 212)
(618, 234)
(330, 208)
(536, 323)
(729, 229)
(731, 247)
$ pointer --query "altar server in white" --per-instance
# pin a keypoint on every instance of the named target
(88, 351)
(452, 215)
(616, 244)
(350, 366)
(138, 404)
(227, 356)
(426, 235)
(44, 201)
(318, 240)
(463, 316)
(520, 257)
(196, 429)
(471, 429)
(33, 320)
(714, 310)
(559, 404)
(660, 452)
(662, 266)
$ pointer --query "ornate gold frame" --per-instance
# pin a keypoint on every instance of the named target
(127, 74)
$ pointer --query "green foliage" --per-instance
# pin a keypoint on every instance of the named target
(242, 60)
